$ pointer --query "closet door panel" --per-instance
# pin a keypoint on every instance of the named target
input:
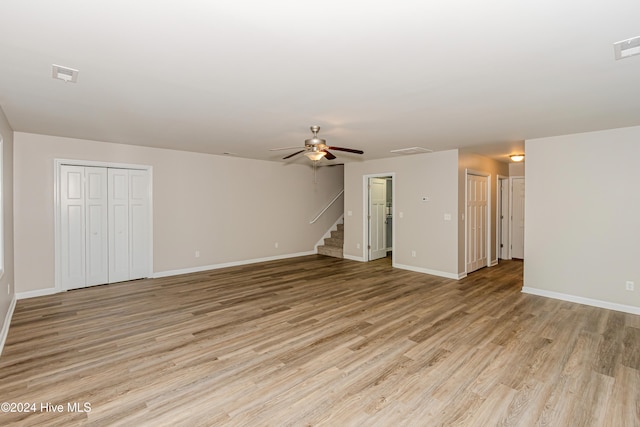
(118, 202)
(139, 227)
(72, 227)
(97, 246)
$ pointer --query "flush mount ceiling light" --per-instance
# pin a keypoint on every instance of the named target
(64, 73)
(626, 48)
(517, 157)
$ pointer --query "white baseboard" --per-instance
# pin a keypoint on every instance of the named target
(37, 293)
(227, 264)
(354, 258)
(582, 300)
(448, 275)
(51, 291)
(493, 262)
(7, 322)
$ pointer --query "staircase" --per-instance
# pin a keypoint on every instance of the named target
(333, 245)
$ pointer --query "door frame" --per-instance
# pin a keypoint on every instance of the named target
(57, 163)
(507, 218)
(486, 175)
(378, 230)
(365, 213)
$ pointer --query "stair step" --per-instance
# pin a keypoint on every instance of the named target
(337, 234)
(330, 251)
(333, 246)
(334, 242)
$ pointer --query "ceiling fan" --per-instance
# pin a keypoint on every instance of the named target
(317, 148)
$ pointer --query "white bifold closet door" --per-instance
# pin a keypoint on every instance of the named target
(104, 229)
(128, 231)
(83, 226)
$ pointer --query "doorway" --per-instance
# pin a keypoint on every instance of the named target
(379, 216)
(503, 219)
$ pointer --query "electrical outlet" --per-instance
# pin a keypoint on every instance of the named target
(630, 285)
(413, 254)
(8, 288)
(357, 245)
(197, 254)
(276, 245)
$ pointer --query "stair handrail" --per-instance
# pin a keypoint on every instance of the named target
(327, 207)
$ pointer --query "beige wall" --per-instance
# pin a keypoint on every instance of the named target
(7, 279)
(516, 169)
(494, 169)
(422, 227)
(229, 209)
(582, 210)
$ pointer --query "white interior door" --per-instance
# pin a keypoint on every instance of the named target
(129, 229)
(72, 227)
(377, 216)
(477, 225)
(97, 247)
(83, 217)
(517, 219)
(139, 230)
(104, 233)
(118, 225)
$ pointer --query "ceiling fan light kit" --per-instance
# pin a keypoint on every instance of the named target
(315, 155)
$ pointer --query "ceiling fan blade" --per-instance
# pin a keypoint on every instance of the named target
(291, 155)
(348, 150)
(328, 155)
(284, 148)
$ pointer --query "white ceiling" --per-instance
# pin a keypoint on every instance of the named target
(245, 76)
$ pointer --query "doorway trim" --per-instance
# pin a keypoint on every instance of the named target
(57, 164)
(365, 213)
(507, 218)
(486, 175)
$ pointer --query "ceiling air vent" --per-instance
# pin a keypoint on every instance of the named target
(64, 73)
(626, 48)
(411, 150)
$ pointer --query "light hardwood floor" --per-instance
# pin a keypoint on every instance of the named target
(321, 341)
